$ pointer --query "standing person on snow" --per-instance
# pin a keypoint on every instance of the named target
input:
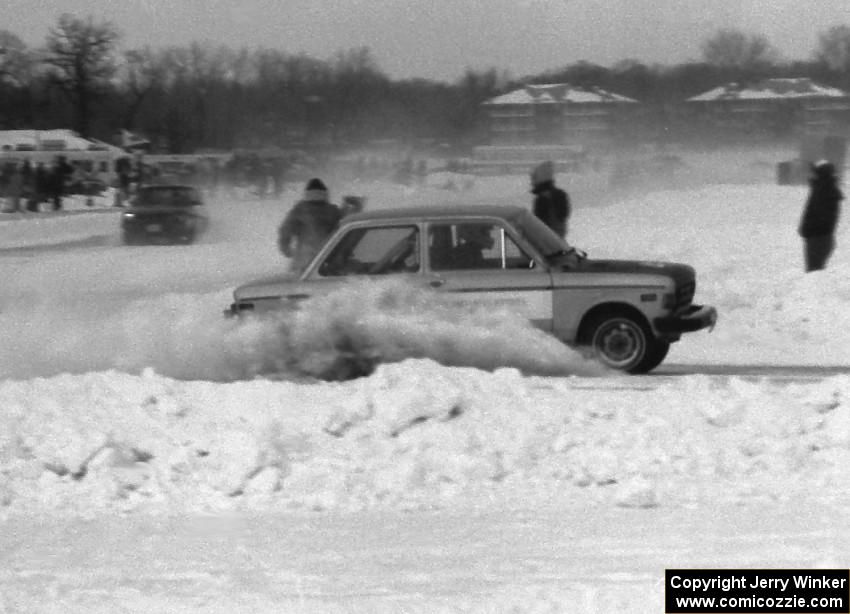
(551, 204)
(820, 215)
(308, 225)
(16, 187)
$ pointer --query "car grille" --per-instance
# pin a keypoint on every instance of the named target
(685, 294)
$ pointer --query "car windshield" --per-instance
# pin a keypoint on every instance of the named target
(168, 196)
(540, 235)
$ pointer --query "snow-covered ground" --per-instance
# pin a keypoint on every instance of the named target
(156, 457)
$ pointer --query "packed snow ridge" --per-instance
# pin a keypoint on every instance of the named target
(415, 434)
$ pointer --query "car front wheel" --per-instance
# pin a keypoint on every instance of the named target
(623, 343)
(655, 357)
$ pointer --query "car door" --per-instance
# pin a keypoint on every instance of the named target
(483, 263)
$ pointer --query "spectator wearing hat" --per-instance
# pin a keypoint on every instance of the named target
(308, 225)
(551, 204)
(820, 216)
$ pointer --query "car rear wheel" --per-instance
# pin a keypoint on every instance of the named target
(624, 343)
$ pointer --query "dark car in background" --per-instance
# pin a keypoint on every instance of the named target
(164, 214)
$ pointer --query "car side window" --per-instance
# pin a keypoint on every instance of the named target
(474, 245)
(374, 251)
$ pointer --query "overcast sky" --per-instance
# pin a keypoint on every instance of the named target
(439, 39)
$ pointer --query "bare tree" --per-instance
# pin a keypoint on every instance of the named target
(734, 49)
(139, 74)
(834, 48)
(16, 60)
(81, 54)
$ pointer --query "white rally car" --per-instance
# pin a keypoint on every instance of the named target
(627, 313)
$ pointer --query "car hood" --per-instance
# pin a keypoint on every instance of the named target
(285, 285)
(680, 273)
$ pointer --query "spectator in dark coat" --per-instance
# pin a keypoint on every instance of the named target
(59, 178)
(308, 225)
(40, 187)
(820, 216)
(27, 184)
(122, 170)
(551, 204)
(16, 186)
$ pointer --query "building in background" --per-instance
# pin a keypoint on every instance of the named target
(556, 114)
(558, 122)
(772, 108)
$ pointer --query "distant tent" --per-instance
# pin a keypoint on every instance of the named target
(130, 140)
(97, 145)
(42, 140)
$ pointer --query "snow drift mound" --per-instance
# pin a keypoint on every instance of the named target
(339, 336)
(414, 434)
(365, 323)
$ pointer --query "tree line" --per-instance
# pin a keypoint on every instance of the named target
(201, 96)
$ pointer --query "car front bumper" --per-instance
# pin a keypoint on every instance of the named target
(235, 310)
(696, 317)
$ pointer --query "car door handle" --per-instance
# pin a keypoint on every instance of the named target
(436, 283)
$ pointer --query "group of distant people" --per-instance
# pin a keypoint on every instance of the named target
(27, 185)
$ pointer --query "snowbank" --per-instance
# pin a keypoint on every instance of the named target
(415, 435)
(80, 218)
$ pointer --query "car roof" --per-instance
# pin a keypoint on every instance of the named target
(435, 211)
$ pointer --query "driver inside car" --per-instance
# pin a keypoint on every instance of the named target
(473, 239)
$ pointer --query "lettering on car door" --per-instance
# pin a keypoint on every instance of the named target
(480, 264)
